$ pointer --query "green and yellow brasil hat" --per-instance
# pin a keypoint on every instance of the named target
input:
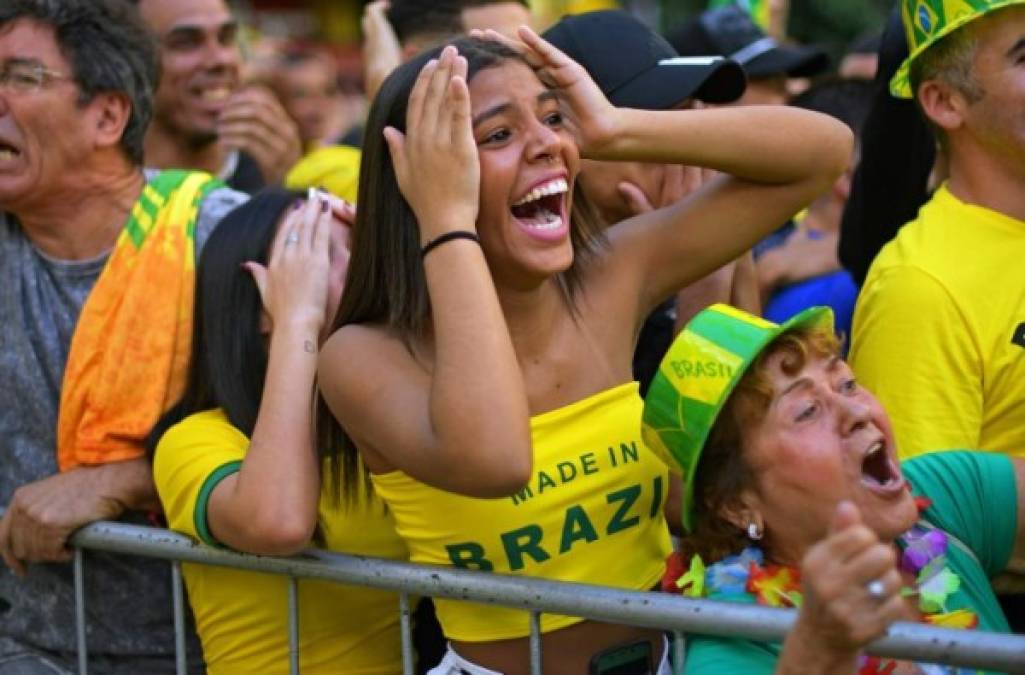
(926, 22)
(697, 376)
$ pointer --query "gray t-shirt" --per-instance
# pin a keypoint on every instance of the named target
(128, 600)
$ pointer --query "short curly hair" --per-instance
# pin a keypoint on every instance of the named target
(109, 49)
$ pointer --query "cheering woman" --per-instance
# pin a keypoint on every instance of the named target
(481, 362)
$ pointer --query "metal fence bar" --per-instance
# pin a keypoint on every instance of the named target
(83, 649)
(535, 643)
(178, 602)
(293, 625)
(679, 651)
(406, 628)
(971, 649)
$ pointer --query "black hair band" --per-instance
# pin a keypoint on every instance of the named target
(448, 236)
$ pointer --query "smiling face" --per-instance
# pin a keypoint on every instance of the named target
(528, 163)
(43, 132)
(200, 60)
(823, 439)
(995, 121)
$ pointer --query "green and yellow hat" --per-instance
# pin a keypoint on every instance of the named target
(697, 376)
(926, 22)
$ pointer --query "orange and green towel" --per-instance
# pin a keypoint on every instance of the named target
(130, 350)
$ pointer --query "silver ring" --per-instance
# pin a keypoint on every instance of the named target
(292, 238)
(875, 589)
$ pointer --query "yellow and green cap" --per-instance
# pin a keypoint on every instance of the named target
(697, 376)
(926, 22)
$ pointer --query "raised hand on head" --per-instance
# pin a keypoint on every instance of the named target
(594, 117)
(294, 284)
(436, 160)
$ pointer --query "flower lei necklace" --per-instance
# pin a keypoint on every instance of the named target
(924, 555)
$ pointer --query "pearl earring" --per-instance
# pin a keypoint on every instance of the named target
(753, 533)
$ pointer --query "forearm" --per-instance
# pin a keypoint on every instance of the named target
(478, 404)
(744, 293)
(128, 483)
(763, 144)
(273, 502)
(769, 274)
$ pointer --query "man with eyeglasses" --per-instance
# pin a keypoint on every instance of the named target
(206, 118)
(76, 83)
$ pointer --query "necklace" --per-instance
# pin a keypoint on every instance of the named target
(745, 574)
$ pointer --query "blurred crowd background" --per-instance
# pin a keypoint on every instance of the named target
(303, 38)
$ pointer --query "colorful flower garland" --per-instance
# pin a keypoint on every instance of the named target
(924, 555)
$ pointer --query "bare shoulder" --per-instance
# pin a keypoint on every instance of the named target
(356, 349)
(353, 338)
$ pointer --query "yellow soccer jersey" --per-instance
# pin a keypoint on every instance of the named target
(939, 330)
(241, 616)
(592, 512)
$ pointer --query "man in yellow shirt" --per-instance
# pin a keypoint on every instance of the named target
(939, 329)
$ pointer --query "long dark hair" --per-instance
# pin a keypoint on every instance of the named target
(229, 354)
(386, 282)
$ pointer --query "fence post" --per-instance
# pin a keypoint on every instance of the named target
(535, 643)
(83, 650)
(293, 625)
(406, 629)
(178, 603)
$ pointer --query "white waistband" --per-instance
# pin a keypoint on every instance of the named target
(454, 664)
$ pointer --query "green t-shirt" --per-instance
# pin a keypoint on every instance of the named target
(974, 499)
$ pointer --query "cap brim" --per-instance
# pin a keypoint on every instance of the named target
(900, 84)
(789, 61)
(710, 79)
(676, 422)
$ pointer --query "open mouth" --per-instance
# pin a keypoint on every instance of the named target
(878, 470)
(8, 152)
(213, 95)
(542, 208)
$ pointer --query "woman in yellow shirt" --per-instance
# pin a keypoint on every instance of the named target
(483, 370)
(236, 463)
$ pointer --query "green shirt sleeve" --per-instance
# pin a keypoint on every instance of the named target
(974, 498)
(192, 458)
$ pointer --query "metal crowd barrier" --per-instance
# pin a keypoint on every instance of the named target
(972, 649)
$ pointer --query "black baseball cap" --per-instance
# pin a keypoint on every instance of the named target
(729, 31)
(637, 68)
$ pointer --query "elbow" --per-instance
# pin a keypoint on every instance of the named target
(838, 151)
(280, 534)
(515, 476)
(503, 472)
(513, 464)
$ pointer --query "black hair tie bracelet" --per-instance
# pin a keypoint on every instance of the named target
(448, 236)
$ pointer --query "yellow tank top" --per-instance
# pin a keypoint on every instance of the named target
(592, 512)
